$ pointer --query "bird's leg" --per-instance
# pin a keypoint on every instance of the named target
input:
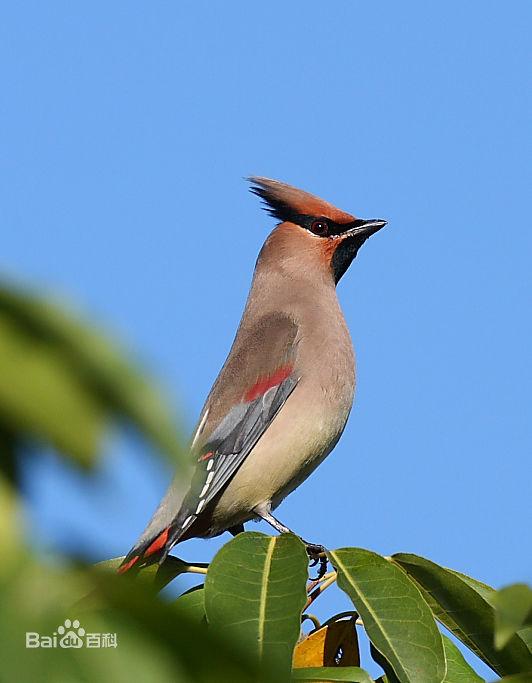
(315, 551)
(237, 529)
(264, 513)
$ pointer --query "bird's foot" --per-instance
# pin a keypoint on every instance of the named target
(317, 556)
(316, 552)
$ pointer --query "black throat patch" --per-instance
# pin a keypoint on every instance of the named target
(344, 255)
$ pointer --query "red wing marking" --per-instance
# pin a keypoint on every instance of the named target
(125, 567)
(264, 383)
(159, 543)
(206, 456)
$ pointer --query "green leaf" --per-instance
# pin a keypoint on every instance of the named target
(255, 591)
(526, 636)
(47, 335)
(458, 670)
(332, 673)
(192, 604)
(389, 676)
(485, 591)
(513, 610)
(158, 576)
(464, 606)
(396, 617)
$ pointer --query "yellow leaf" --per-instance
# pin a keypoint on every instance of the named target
(333, 645)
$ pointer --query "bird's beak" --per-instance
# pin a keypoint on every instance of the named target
(364, 227)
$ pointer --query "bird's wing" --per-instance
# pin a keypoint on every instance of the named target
(255, 382)
(231, 443)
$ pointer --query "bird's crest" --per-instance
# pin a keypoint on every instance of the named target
(287, 203)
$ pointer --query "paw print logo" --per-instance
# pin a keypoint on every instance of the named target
(71, 634)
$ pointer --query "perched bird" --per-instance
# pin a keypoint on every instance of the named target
(283, 396)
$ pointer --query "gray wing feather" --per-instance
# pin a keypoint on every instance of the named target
(231, 442)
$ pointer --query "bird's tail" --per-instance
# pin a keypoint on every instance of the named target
(156, 547)
(165, 529)
(147, 552)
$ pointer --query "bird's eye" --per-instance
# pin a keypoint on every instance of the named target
(319, 228)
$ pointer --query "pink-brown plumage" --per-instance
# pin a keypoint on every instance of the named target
(301, 202)
(283, 396)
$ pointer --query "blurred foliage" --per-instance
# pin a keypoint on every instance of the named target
(61, 384)
(513, 611)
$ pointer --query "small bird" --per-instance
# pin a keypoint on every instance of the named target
(283, 396)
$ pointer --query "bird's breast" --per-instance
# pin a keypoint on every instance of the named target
(307, 427)
(327, 386)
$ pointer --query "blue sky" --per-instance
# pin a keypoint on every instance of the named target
(125, 132)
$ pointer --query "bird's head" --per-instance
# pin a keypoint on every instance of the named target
(311, 226)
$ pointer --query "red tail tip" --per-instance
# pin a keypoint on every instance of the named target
(125, 567)
(158, 544)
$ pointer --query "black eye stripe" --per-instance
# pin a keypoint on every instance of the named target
(310, 223)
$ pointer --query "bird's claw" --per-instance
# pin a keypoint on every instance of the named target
(317, 556)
